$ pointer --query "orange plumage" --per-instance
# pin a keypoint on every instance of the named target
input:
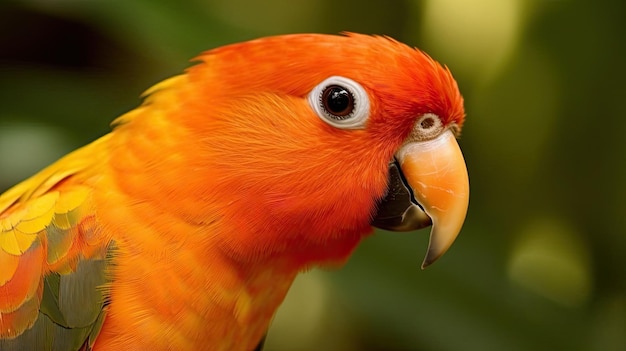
(193, 216)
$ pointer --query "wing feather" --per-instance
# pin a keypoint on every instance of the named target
(53, 259)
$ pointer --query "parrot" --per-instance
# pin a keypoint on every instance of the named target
(184, 226)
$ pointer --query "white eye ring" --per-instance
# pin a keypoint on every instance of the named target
(351, 103)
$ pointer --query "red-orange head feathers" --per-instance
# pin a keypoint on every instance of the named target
(403, 82)
(292, 136)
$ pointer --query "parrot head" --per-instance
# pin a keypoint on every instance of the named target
(307, 141)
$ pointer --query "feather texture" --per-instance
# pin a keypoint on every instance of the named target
(52, 258)
(184, 227)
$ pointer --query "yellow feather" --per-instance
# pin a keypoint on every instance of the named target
(8, 242)
(62, 221)
(24, 241)
(70, 200)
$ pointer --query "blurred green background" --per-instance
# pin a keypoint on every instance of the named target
(540, 263)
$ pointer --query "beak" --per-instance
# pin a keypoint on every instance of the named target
(428, 184)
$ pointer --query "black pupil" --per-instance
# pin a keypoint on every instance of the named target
(338, 101)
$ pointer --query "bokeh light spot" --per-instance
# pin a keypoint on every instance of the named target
(551, 260)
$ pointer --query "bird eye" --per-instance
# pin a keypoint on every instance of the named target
(340, 102)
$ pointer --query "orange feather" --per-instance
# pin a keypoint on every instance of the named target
(207, 200)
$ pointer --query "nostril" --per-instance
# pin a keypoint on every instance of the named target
(427, 123)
